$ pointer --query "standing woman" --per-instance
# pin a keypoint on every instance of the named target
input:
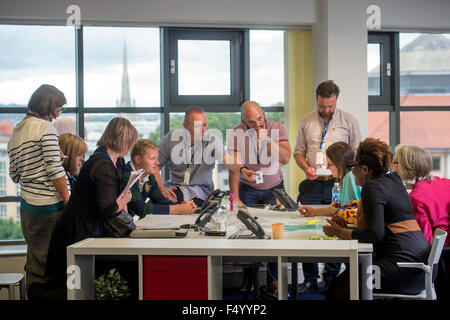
(35, 163)
(73, 149)
(93, 200)
(99, 184)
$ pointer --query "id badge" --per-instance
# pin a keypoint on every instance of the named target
(187, 177)
(319, 157)
(259, 178)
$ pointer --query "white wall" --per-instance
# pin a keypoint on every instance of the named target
(414, 14)
(340, 53)
(247, 12)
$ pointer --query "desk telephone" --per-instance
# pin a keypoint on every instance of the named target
(210, 207)
(251, 223)
(285, 200)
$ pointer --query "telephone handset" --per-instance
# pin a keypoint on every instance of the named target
(207, 213)
(216, 195)
(251, 223)
(285, 200)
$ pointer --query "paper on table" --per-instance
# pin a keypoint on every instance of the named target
(134, 177)
(165, 221)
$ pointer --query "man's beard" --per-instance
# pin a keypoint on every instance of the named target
(329, 116)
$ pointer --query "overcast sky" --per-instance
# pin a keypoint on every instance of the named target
(42, 54)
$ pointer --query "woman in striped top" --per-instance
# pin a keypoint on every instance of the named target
(35, 163)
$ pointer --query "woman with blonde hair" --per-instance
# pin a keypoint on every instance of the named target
(73, 149)
(99, 184)
(430, 195)
(94, 199)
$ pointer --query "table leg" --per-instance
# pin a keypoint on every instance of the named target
(354, 275)
(294, 280)
(365, 259)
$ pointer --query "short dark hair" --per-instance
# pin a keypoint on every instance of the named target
(327, 89)
(187, 115)
(45, 100)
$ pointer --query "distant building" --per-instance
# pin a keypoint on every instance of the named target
(424, 81)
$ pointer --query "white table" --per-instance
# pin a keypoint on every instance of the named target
(82, 254)
(293, 248)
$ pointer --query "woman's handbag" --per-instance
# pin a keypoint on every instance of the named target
(119, 225)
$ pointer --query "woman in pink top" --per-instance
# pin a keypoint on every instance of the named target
(430, 195)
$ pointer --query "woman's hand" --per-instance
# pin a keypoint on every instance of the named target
(333, 229)
(340, 221)
(122, 203)
(307, 211)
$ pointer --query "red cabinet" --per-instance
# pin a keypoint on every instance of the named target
(175, 278)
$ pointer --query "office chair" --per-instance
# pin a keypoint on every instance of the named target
(428, 293)
(10, 280)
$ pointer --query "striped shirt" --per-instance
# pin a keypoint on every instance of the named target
(35, 160)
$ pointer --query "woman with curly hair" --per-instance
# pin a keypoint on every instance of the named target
(389, 223)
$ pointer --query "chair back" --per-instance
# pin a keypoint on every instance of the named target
(436, 247)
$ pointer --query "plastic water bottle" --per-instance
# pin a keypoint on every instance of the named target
(336, 192)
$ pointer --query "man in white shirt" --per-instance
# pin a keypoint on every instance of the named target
(316, 131)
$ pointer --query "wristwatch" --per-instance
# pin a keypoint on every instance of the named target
(243, 167)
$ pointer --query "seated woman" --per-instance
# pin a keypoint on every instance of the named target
(430, 195)
(146, 196)
(389, 223)
(339, 158)
(73, 148)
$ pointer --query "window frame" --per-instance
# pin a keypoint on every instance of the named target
(240, 86)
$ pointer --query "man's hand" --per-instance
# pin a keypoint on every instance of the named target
(169, 194)
(311, 173)
(248, 174)
(187, 207)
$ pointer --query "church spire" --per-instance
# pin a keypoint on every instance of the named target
(125, 99)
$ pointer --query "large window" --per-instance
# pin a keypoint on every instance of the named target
(148, 75)
(416, 69)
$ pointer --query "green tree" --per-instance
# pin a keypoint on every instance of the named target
(219, 121)
(9, 230)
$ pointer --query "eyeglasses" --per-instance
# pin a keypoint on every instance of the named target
(350, 166)
(63, 108)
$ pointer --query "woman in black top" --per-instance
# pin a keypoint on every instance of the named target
(94, 198)
(99, 183)
(389, 223)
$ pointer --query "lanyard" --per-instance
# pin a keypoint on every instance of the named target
(254, 147)
(32, 115)
(324, 132)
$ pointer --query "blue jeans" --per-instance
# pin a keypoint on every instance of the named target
(251, 196)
